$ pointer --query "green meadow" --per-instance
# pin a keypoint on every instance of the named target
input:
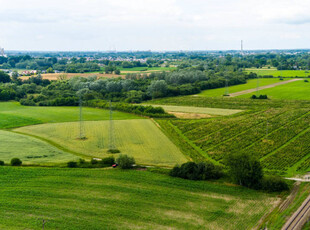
(277, 73)
(298, 90)
(140, 138)
(115, 199)
(251, 84)
(12, 115)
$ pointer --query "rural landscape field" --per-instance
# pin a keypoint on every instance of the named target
(156, 114)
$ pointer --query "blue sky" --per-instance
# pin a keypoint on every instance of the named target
(154, 24)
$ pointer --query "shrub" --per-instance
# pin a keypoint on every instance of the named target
(113, 151)
(81, 161)
(200, 171)
(72, 164)
(108, 161)
(274, 184)
(125, 162)
(306, 80)
(93, 161)
(1, 163)
(16, 162)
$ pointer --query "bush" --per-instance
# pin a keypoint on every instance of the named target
(93, 161)
(16, 162)
(72, 164)
(1, 163)
(200, 171)
(274, 184)
(113, 151)
(108, 161)
(306, 80)
(125, 162)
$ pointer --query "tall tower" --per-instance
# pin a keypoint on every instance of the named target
(242, 53)
(2, 52)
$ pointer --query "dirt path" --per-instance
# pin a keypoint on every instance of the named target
(260, 88)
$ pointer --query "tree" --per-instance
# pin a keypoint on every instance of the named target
(4, 77)
(50, 70)
(245, 170)
(125, 162)
(158, 88)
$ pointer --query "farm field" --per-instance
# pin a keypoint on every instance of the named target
(56, 76)
(251, 84)
(277, 73)
(145, 69)
(199, 110)
(98, 198)
(298, 90)
(12, 115)
(30, 150)
(139, 138)
(277, 133)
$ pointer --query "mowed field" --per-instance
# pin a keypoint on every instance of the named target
(139, 138)
(251, 84)
(30, 150)
(12, 115)
(298, 90)
(198, 110)
(277, 73)
(115, 199)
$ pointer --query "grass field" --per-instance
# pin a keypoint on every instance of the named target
(276, 73)
(12, 114)
(251, 84)
(298, 90)
(141, 139)
(114, 199)
(30, 150)
(199, 110)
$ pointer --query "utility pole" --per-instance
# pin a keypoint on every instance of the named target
(111, 130)
(82, 134)
(267, 129)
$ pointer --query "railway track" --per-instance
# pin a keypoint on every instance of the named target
(299, 218)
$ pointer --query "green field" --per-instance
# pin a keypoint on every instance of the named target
(30, 150)
(275, 131)
(140, 138)
(12, 114)
(298, 90)
(199, 110)
(147, 69)
(251, 84)
(277, 73)
(114, 199)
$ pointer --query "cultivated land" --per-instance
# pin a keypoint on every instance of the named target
(277, 73)
(12, 115)
(114, 199)
(30, 150)
(298, 90)
(57, 76)
(251, 84)
(277, 132)
(198, 110)
(139, 138)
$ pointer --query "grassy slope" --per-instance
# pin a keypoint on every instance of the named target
(30, 150)
(140, 138)
(276, 73)
(113, 199)
(298, 90)
(12, 114)
(251, 84)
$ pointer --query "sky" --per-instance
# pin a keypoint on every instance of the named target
(157, 25)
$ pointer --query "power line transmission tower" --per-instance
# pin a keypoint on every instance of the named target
(257, 86)
(82, 133)
(111, 130)
(226, 87)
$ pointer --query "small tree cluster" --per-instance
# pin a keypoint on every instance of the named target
(197, 171)
(125, 161)
(259, 97)
(16, 162)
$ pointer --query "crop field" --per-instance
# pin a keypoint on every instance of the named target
(139, 138)
(277, 133)
(251, 84)
(277, 73)
(30, 150)
(298, 90)
(199, 110)
(12, 115)
(114, 199)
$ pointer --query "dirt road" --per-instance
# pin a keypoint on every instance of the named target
(263, 87)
